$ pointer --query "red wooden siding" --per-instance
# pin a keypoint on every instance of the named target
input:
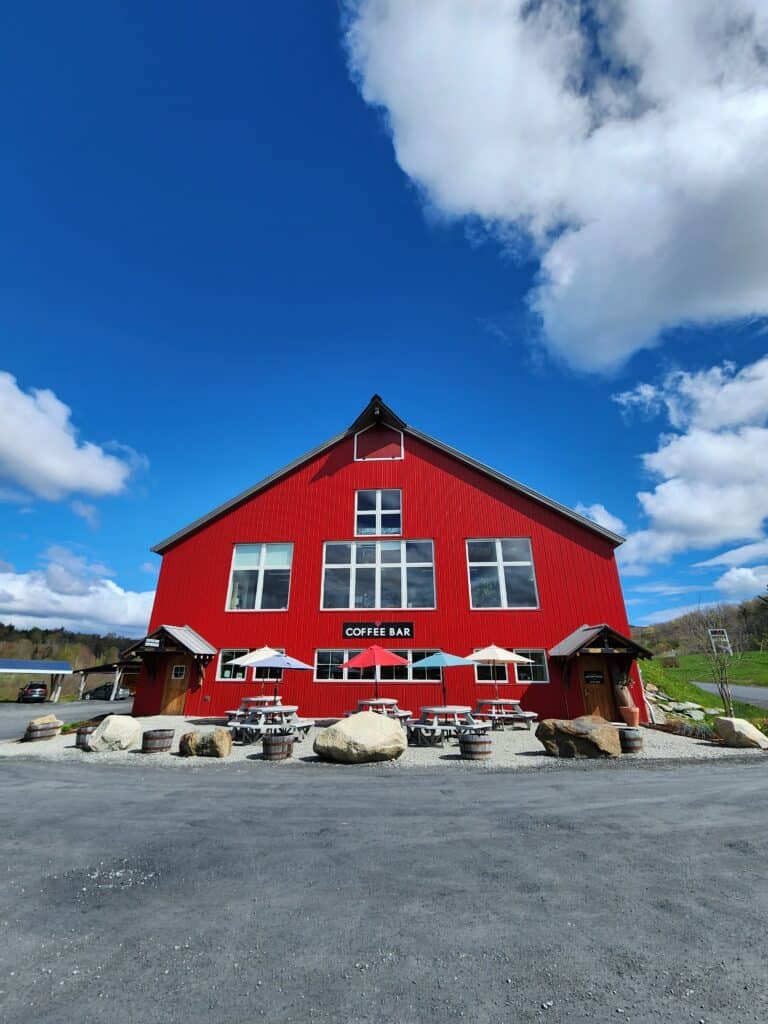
(443, 500)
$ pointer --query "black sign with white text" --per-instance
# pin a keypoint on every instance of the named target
(377, 631)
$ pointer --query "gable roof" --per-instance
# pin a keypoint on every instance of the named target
(378, 412)
(184, 636)
(584, 636)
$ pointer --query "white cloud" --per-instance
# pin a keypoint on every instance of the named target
(87, 512)
(664, 614)
(69, 591)
(40, 453)
(738, 584)
(737, 556)
(666, 589)
(151, 568)
(600, 514)
(633, 154)
(713, 485)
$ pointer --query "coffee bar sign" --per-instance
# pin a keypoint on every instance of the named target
(377, 631)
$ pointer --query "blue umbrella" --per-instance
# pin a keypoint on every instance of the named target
(442, 660)
(279, 661)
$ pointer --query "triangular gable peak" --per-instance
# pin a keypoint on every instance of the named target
(172, 640)
(379, 434)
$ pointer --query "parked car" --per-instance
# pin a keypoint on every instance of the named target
(32, 691)
(104, 692)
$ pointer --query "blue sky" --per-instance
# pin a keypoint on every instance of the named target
(224, 229)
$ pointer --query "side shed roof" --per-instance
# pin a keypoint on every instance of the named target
(39, 668)
(585, 636)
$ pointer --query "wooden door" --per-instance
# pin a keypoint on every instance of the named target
(177, 677)
(596, 688)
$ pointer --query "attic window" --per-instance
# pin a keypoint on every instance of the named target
(379, 443)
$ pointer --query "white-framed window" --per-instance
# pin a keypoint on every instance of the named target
(378, 513)
(260, 578)
(231, 673)
(537, 672)
(179, 672)
(378, 574)
(328, 668)
(501, 573)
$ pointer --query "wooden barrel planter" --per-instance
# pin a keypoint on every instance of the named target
(631, 740)
(42, 732)
(157, 741)
(475, 746)
(277, 748)
(82, 734)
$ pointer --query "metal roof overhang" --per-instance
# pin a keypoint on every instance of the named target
(35, 668)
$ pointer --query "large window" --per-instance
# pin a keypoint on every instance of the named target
(261, 577)
(536, 672)
(501, 573)
(378, 574)
(275, 674)
(231, 672)
(328, 668)
(378, 514)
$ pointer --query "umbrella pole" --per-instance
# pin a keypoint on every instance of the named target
(495, 681)
(376, 682)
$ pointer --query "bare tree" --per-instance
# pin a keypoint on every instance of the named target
(719, 658)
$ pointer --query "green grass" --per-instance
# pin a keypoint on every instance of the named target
(675, 683)
(748, 669)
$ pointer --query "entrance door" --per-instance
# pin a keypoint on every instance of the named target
(176, 683)
(596, 688)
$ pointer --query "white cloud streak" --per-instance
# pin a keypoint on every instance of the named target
(600, 515)
(72, 592)
(41, 455)
(633, 155)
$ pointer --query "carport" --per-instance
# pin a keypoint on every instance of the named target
(55, 670)
(123, 670)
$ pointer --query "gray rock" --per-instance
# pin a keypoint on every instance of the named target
(116, 732)
(360, 738)
(588, 736)
(738, 732)
(208, 743)
(697, 716)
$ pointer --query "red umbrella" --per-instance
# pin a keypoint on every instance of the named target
(374, 656)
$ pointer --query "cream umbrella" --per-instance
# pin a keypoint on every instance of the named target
(254, 658)
(493, 655)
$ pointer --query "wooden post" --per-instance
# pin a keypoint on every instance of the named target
(116, 683)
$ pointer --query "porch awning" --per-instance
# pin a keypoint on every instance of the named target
(600, 639)
(172, 639)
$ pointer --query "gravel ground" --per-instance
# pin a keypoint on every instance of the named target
(516, 749)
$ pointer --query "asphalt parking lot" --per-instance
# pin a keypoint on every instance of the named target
(14, 717)
(367, 895)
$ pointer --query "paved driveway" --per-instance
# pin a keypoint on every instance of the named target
(748, 694)
(14, 717)
(360, 895)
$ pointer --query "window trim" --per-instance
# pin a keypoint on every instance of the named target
(378, 512)
(515, 682)
(260, 586)
(174, 672)
(348, 652)
(393, 458)
(219, 678)
(378, 565)
(500, 563)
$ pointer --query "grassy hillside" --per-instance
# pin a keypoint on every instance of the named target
(747, 669)
(676, 683)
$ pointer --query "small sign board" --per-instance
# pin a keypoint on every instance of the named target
(377, 631)
(152, 641)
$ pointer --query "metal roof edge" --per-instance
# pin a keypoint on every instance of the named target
(161, 547)
(529, 492)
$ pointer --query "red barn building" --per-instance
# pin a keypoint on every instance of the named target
(384, 534)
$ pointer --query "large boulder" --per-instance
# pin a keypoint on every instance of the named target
(208, 743)
(588, 736)
(44, 720)
(738, 732)
(116, 732)
(43, 727)
(363, 737)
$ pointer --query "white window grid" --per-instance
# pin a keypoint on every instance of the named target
(376, 513)
(499, 564)
(484, 673)
(227, 654)
(179, 672)
(377, 566)
(260, 568)
(352, 675)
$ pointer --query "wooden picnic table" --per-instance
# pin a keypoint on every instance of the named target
(439, 721)
(377, 704)
(504, 711)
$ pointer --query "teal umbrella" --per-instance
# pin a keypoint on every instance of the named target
(442, 660)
